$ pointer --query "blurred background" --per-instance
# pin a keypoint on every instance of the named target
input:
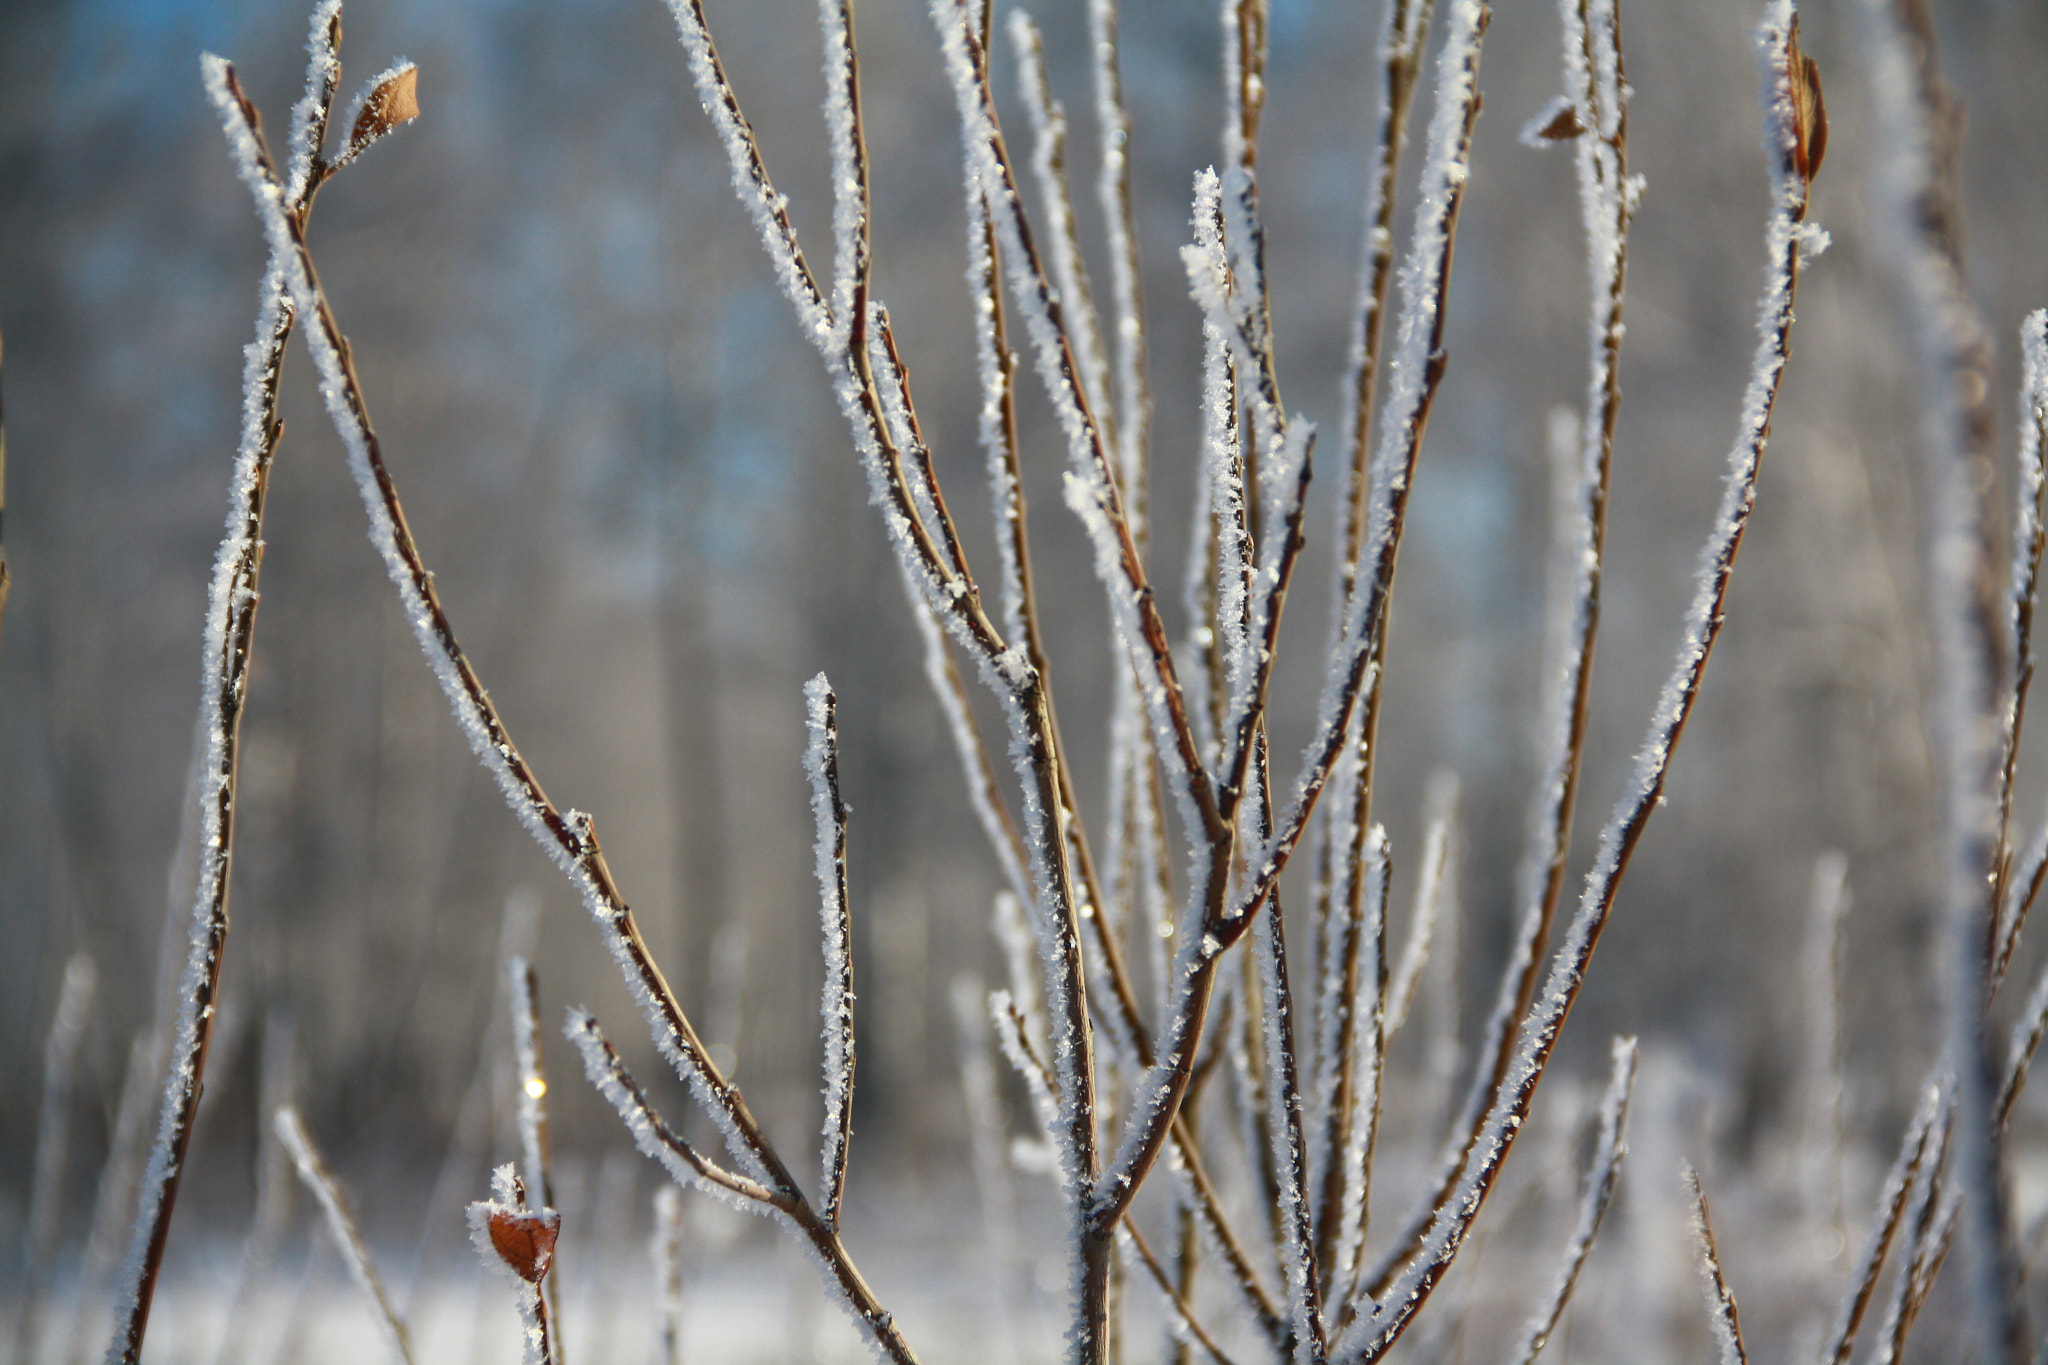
(623, 463)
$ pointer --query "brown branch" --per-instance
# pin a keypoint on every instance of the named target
(230, 640)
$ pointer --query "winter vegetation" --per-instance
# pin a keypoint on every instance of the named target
(1272, 999)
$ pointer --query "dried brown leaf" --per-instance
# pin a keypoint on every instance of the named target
(394, 103)
(1564, 125)
(1809, 113)
(525, 1240)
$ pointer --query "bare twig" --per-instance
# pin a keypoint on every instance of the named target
(530, 1076)
(227, 651)
(1608, 1149)
(1720, 1299)
(519, 1240)
(46, 1193)
(668, 1271)
(1184, 1319)
(341, 1224)
(1787, 242)
(821, 761)
(2028, 540)
(1971, 704)
(1903, 1177)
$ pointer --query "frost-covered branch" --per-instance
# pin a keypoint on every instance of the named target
(1355, 1020)
(1063, 242)
(1720, 1299)
(1593, 116)
(1921, 225)
(1414, 371)
(341, 1224)
(1788, 241)
(226, 654)
(530, 1077)
(1899, 1182)
(1091, 486)
(519, 1241)
(821, 763)
(1608, 1149)
(569, 837)
(2028, 540)
(686, 1166)
(1133, 424)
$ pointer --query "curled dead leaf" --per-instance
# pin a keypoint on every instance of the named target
(1564, 125)
(1809, 112)
(392, 103)
(1557, 121)
(525, 1239)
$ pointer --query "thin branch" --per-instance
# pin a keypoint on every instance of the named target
(1921, 218)
(1825, 1154)
(1133, 424)
(1092, 492)
(1364, 1064)
(226, 654)
(53, 1145)
(536, 1152)
(2028, 539)
(656, 1140)
(1720, 1299)
(341, 1225)
(1184, 1319)
(1284, 1131)
(821, 762)
(852, 254)
(569, 837)
(668, 1272)
(1608, 1150)
(1920, 1253)
(650, 1132)
(1063, 244)
(1415, 370)
(1244, 80)
(1435, 878)
(1787, 243)
(1343, 993)
(1903, 1177)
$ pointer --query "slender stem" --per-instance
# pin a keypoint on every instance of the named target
(536, 1150)
(1922, 214)
(228, 650)
(1720, 1299)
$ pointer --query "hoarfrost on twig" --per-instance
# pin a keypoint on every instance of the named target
(341, 1224)
(1720, 1299)
(821, 763)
